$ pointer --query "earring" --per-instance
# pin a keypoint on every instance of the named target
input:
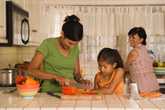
(114, 65)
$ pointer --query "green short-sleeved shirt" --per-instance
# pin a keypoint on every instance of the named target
(56, 63)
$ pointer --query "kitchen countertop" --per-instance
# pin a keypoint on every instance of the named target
(42, 101)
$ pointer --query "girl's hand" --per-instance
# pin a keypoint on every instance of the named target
(86, 83)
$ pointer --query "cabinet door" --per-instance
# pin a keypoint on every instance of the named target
(21, 3)
(34, 19)
(2, 22)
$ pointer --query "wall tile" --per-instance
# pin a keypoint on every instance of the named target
(7, 56)
(8, 50)
(13, 55)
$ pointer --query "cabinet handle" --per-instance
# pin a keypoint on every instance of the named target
(34, 30)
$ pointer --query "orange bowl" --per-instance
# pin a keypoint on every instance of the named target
(28, 86)
(68, 90)
(28, 91)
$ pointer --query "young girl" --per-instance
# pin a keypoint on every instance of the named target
(139, 64)
(110, 77)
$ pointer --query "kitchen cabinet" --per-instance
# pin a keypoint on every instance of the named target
(3, 26)
(24, 4)
(21, 3)
(39, 22)
(34, 20)
(33, 7)
(17, 28)
(2, 22)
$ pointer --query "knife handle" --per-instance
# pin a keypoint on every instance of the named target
(54, 94)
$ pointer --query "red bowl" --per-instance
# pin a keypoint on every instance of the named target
(68, 90)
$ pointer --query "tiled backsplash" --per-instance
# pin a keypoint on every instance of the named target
(26, 53)
(13, 55)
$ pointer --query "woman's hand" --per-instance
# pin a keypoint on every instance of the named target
(84, 83)
(61, 80)
(69, 82)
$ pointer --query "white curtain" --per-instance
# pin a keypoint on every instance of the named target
(98, 33)
(106, 27)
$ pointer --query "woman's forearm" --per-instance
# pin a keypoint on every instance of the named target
(77, 77)
(41, 74)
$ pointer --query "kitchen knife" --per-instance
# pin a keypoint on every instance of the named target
(54, 94)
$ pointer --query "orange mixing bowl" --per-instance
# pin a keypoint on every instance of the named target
(68, 90)
(28, 91)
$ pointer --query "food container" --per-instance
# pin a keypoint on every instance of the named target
(28, 91)
(69, 90)
(27, 86)
(7, 76)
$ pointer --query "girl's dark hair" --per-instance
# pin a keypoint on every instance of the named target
(140, 32)
(111, 56)
(72, 29)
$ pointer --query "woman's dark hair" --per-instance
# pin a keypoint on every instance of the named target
(140, 32)
(111, 56)
(72, 29)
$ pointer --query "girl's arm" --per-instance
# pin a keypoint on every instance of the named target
(96, 81)
(34, 69)
(114, 83)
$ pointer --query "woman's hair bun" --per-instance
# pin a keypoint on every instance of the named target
(72, 18)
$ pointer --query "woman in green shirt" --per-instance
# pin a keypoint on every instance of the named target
(59, 57)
